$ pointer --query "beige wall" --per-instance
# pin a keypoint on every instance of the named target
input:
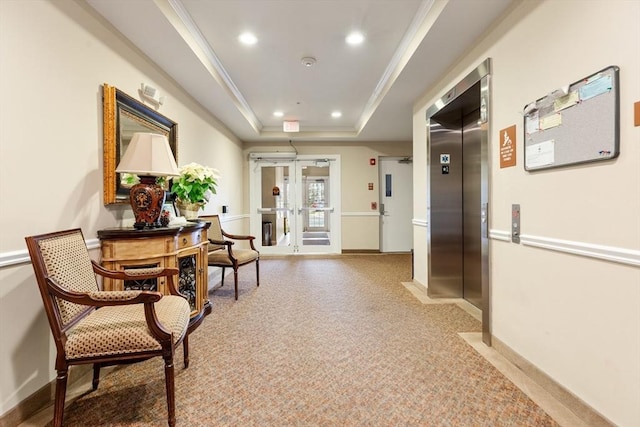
(360, 224)
(576, 318)
(54, 57)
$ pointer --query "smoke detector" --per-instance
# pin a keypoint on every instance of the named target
(308, 61)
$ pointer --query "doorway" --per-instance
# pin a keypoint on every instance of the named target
(458, 171)
(295, 205)
(396, 204)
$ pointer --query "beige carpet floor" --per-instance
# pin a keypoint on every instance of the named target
(322, 342)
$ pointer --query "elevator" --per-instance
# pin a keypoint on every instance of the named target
(458, 194)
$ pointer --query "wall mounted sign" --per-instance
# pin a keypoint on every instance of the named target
(508, 147)
(291, 126)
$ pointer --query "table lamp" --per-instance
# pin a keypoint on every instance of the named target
(148, 156)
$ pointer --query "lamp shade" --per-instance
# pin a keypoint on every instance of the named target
(148, 154)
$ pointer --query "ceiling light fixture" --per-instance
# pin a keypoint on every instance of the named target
(308, 61)
(336, 114)
(355, 38)
(248, 39)
(278, 113)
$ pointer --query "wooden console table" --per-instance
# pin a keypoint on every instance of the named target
(183, 247)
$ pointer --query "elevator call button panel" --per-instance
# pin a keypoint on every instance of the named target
(515, 223)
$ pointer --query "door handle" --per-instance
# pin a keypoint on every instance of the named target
(315, 209)
(271, 210)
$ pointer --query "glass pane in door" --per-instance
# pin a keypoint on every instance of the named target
(275, 205)
(316, 204)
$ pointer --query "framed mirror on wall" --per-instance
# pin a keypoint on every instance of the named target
(123, 116)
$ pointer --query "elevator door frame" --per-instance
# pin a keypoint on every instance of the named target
(481, 74)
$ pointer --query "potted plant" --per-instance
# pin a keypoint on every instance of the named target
(193, 188)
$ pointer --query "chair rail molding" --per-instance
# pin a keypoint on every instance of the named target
(8, 259)
(500, 235)
(372, 213)
(420, 222)
(607, 253)
(589, 250)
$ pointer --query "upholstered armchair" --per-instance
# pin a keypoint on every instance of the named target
(91, 326)
(223, 254)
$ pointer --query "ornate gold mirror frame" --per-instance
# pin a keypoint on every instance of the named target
(123, 116)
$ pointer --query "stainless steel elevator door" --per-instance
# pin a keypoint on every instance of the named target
(455, 245)
(471, 207)
(445, 224)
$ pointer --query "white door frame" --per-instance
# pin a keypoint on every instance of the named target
(294, 206)
(333, 212)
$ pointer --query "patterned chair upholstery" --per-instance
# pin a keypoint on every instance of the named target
(222, 254)
(91, 326)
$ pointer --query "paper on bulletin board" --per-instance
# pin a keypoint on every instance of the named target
(595, 86)
(551, 121)
(532, 123)
(566, 101)
(541, 154)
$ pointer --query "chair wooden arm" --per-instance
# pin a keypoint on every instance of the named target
(133, 274)
(241, 237)
(102, 298)
(220, 242)
(226, 243)
(140, 274)
(237, 236)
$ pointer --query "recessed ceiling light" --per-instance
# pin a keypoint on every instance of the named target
(278, 113)
(355, 38)
(248, 39)
(336, 114)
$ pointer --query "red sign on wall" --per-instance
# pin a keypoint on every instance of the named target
(508, 147)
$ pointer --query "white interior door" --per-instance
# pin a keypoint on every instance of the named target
(295, 205)
(396, 204)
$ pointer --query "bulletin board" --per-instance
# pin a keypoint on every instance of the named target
(574, 124)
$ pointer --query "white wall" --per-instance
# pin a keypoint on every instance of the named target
(576, 318)
(360, 224)
(54, 57)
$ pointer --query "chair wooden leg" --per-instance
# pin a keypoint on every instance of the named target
(61, 391)
(171, 392)
(185, 348)
(222, 280)
(235, 281)
(258, 272)
(96, 376)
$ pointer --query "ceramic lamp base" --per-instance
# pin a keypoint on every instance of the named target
(146, 200)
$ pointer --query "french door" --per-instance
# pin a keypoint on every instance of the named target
(295, 205)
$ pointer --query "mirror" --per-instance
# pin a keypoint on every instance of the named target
(123, 116)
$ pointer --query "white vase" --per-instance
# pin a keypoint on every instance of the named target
(189, 210)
